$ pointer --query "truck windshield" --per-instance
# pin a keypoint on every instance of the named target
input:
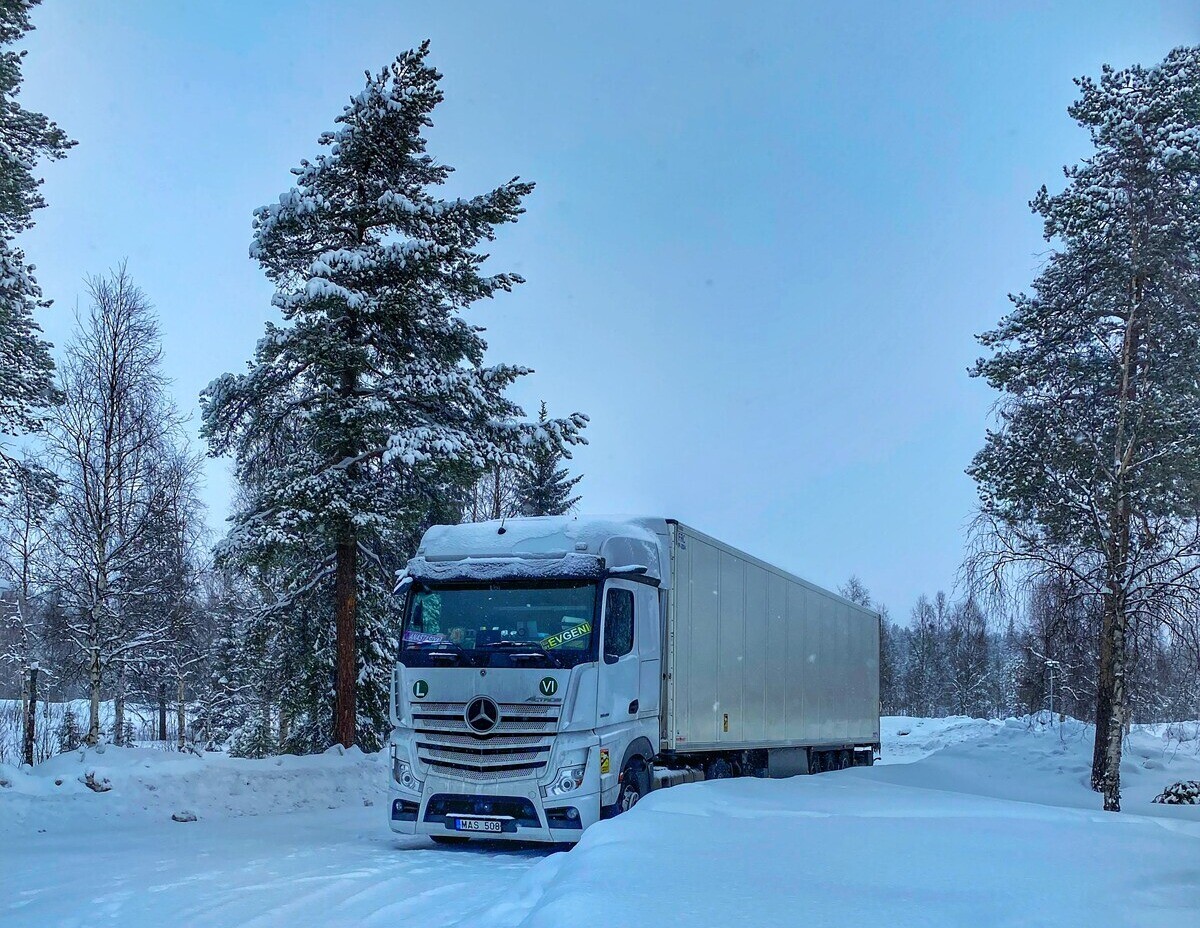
(502, 625)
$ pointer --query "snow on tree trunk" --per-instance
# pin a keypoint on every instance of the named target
(1115, 734)
(30, 714)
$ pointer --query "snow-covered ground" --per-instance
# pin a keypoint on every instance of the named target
(969, 823)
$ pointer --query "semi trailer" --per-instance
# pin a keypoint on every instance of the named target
(552, 671)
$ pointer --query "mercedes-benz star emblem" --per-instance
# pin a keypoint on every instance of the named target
(482, 714)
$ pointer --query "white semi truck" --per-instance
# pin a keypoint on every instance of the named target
(552, 671)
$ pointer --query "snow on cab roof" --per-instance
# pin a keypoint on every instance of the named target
(544, 546)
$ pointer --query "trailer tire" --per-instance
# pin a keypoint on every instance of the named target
(719, 769)
(635, 784)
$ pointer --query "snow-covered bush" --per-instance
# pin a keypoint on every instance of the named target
(1185, 792)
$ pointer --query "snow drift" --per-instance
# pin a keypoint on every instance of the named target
(998, 827)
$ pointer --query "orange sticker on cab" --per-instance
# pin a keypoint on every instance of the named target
(605, 762)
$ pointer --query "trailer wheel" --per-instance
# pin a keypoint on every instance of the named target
(719, 769)
(635, 783)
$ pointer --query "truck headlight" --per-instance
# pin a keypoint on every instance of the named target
(402, 773)
(567, 780)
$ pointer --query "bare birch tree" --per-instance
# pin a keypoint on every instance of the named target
(109, 439)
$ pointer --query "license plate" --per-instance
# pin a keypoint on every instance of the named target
(478, 824)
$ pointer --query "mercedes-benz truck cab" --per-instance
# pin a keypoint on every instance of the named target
(529, 693)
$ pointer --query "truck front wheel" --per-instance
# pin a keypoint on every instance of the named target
(635, 783)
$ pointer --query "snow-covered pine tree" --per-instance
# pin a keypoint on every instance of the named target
(543, 486)
(1095, 467)
(220, 703)
(69, 734)
(26, 369)
(374, 380)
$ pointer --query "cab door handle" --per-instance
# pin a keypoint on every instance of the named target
(633, 707)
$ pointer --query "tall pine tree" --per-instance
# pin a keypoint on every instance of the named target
(1094, 471)
(26, 369)
(373, 382)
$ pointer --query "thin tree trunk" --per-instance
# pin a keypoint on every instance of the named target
(24, 696)
(95, 667)
(162, 712)
(119, 710)
(93, 735)
(181, 715)
(31, 714)
(346, 596)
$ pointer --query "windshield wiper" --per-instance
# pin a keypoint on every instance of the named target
(435, 649)
(535, 649)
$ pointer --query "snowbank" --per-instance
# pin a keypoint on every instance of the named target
(995, 827)
(1027, 760)
(908, 739)
(149, 783)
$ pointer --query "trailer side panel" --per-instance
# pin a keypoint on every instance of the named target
(760, 658)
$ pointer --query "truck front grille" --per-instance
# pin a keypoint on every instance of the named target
(519, 745)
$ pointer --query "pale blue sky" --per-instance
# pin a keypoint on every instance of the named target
(763, 238)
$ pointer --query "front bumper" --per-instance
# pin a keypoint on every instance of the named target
(518, 804)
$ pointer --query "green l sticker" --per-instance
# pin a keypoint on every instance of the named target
(420, 689)
(548, 686)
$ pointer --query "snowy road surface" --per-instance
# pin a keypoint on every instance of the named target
(329, 868)
(975, 823)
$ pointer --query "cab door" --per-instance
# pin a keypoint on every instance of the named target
(619, 685)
